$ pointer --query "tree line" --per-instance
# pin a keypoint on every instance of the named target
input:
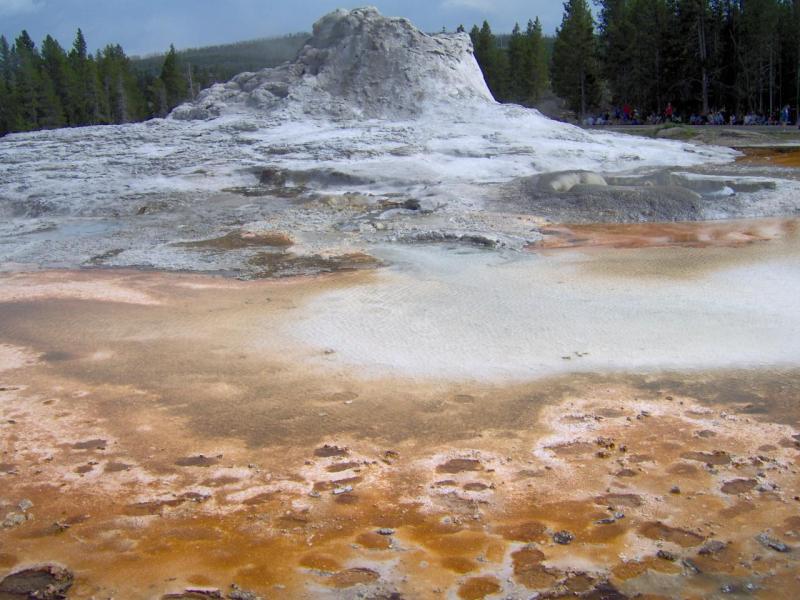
(51, 87)
(701, 56)
(515, 67)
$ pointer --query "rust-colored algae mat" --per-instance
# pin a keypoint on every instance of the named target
(778, 156)
(159, 434)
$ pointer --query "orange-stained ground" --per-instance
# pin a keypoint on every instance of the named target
(775, 156)
(170, 439)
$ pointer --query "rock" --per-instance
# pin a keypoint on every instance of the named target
(675, 490)
(604, 591)
(343, 490)
(25, 505)
(563, 537)
(665, 555)
(14, 519)
(567, 180)
(195, 594)
(691, 566)
(772, 543)
(385, 531)
(47, 582)
(583, 203)
(238, 593)
(712, 547)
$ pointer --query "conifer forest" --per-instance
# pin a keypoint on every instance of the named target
(696, 56)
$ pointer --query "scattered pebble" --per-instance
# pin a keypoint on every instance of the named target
(772, 543)
(712, 547)
(563, 537)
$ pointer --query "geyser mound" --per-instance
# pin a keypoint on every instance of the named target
(358, 64)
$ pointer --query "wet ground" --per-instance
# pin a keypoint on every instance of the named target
(168, 432)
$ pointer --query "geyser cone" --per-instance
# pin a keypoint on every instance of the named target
(359, 63)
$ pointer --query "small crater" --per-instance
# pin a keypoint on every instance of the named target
(197, 461)
(572, 449)
(475, 486)
(460, 465)
(656, 530)
(320, 562)
(117, 467)
(682, 469)
(339, 467)
(629, 500)
(374, 541)
(91, 445)
(717, 458)
(739, 486)
(352, 577)
(328, 451)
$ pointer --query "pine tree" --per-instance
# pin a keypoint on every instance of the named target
(124, 101)
(175, 86)
(25, 60)
(575, 66)
(5, 126)
(7, 103)
(519, 66)
(615, 39)
(537, 62)
(84, 90)
(56, 80)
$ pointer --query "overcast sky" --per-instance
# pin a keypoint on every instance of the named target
(145, 26)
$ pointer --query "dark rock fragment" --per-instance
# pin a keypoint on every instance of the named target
(47, 582)
(563, 537)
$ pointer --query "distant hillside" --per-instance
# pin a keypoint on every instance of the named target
(220, 63)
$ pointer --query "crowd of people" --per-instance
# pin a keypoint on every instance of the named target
(628, 115)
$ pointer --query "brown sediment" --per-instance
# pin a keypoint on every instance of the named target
(228, 459)
(702, 234)
(285, 264)
(477, 588)
(659, 531)
(787, 156)
(237, 240)
(739, 486)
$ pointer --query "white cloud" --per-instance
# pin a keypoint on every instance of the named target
(481, 5)
(16, 7)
